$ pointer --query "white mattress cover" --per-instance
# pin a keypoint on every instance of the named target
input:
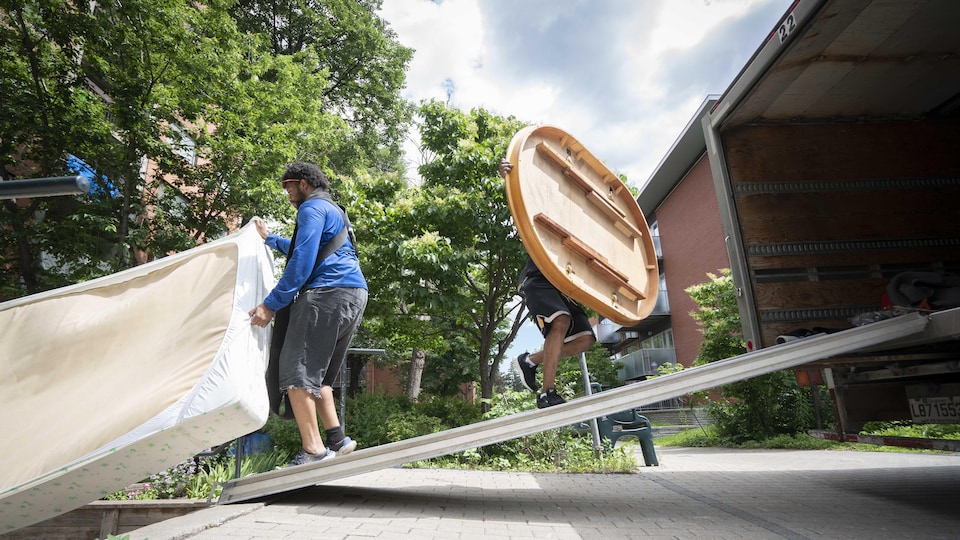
(107, 382)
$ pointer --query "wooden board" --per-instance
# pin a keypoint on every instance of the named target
(581, 225)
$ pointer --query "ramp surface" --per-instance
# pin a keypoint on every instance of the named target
(500, 429)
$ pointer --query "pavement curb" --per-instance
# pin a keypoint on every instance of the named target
(193, 523)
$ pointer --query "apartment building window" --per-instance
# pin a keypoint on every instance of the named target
(177, 205)
(183, 145)
(663, 340)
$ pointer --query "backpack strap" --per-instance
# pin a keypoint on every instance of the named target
(338, 239)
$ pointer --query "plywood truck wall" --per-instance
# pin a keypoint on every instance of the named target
(829, 213)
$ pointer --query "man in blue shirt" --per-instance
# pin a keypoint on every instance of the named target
(326, 299)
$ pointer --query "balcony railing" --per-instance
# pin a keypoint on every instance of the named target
(662, 307)
(607, 333)
(645, 362)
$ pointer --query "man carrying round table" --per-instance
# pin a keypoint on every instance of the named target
(562, 321)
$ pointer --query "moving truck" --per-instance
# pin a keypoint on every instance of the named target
(836, 158)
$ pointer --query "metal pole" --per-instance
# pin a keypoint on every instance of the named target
(343, 384)
(238, 454)
(44, 187)
(587, 390)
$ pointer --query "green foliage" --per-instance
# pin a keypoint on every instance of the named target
(581, 457)
(410, 425)
(799, 441)
(374, 419)
(253, 85)
(762, 407)
(196, 477)
(451, 411)
(602, 370)
(357, 53)
(454, 366)
(447, 254)
(667, 369)
(552, 450)
(710, 436)
(172, 483)
(543, 451)
(263, 461)
(718, 318)
(284, 434)
(691, 399)
(906, 428)
(206, 482)
(752, 409)
(135, 493)
(701, 437)
(368, 415)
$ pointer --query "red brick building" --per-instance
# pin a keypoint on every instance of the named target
(680, 204)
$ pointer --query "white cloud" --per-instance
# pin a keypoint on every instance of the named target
(622, 77)
(683, 23)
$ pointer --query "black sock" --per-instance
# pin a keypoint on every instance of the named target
(335, 436)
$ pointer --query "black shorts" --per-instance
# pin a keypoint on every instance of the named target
(545, 303)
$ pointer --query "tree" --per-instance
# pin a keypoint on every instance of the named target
(357, 54)
(456, 366)
(212, 107)
(464, 205)
(395, 261)
(718, 318)
(48, 111)
(444, 264)
(122, 74)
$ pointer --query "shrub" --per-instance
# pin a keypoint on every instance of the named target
(369, 416)
(701, 437)
(906, 428)
(451, 411)
(753, 409)
(284, 434)
(172, 483)
(551, 450)
(375, 419)
(404, 426)
(194, 478)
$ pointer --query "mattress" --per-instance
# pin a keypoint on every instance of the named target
(107, 382)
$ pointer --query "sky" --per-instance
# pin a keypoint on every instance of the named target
(624, 77)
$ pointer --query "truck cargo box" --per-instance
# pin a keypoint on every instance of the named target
(836, 158)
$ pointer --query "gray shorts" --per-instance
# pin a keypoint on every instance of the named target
(322, 324)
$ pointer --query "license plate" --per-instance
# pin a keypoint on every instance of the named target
(935, 410)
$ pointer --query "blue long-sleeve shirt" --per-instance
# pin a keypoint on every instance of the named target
(318, 221)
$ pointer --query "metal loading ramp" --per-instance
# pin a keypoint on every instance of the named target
(704, 377)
